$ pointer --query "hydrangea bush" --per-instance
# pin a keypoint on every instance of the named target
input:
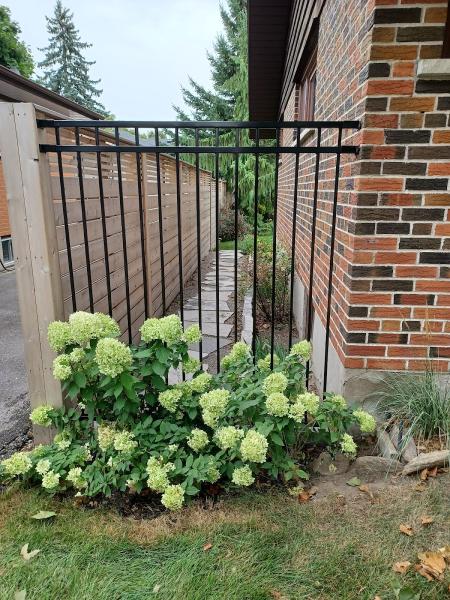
(126, 429)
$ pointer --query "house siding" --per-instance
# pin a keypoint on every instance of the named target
(391, 282)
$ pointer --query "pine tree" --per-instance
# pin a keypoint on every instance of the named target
(65, 70)
(14, 54)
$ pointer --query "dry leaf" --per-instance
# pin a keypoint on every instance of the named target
(424, 474)
(27, 555)
(433, 472)
(432, 563)
(421, 487)
(377, 598)
(426, 520)
(445, 551)
(364, 488)
(304, 496)
(207, 547)
(406, 529)
(423, 572)
(401, 567)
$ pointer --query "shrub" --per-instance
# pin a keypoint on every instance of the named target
(227, 225)
(264, 275)
(128, 429)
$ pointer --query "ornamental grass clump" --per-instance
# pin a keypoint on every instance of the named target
(127, 430)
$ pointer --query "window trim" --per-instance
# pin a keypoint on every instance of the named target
(7, 238)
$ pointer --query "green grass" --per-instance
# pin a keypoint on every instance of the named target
(262, 544)
(245, 242)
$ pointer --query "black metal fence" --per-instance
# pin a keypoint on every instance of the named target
(206, 143)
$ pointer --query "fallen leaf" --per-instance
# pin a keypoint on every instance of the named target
(20, 595)
(28, 555)
(354, 482)
(364, 488)
(156, 588)
(422, 571)
(42, 515)
(377, 598)
(445, 551)
(421, 487)
(207, 547)
(424, 474)
(406, 529)
(401, 567)
(433, 472)
(304, 496)
(432, 563)
(426, 520)
(276, 594)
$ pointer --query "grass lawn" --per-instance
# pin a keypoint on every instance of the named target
(264, 546)
(229, 245)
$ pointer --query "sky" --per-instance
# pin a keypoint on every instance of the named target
(144, 49)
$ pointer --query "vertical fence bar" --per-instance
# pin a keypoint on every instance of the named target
(124, 235)
(236, 231)
(160, 224)
(179, 227)
(141, 222)
(199, 240)
(66, 221)
(330, 272)
(274, 250)
(84, 219)
(217, 256)
(312, 255)
(294, 238)
(255, 245)
(103, 215)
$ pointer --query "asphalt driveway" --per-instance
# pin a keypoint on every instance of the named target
(14, 406)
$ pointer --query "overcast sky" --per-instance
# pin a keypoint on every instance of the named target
(145, 49)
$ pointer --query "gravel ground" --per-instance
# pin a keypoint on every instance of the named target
(14, 406)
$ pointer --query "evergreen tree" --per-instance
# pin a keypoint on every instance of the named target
(14, 54)
(65, 70)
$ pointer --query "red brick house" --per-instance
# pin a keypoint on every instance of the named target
(385, 63)
(15, 88)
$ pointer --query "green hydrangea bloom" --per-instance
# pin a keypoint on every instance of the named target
(50, 480)
(62, 369)
(301, 349)
(75, 476)
(243, 476)
(200, 383)
(348, 445)
(43, 466)
(228, 437)
(62, 440)
(366, 421)
(192, 334)
(310, 401)
(41, 415)
(254, 447)
(105, 437)
(240, 351)
(170, 399)
(150, 330)
(82, 327)
(213, 473)
(112, 357)
(264, 363)
(105, 326)
(275, 382)
(277, 404)
(198, 440)
(17, 464)
(191, 365)
(173, 497)
(213, 405)
(59, 335)
(170, 328)
(172, 448)
(157, 472)
(338, 400)
(297, 410)
(76, 356)
(124, 442)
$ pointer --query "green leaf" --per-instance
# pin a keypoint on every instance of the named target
(163, 354)
(43, 515)
(144, 353)
(159, 368)
(276, 439)
(354, 482)
(80, 379)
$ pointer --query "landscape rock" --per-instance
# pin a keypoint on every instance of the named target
(438, 458)
(385, 445)
(410, 449)
(324, 464)
(372, 468)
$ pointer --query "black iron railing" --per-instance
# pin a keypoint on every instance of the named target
(188, 139)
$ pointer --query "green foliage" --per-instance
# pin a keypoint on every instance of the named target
(264, 274)
(65, 70)
(227, 225)
(420, 401)
(128, 429)
(14, 54)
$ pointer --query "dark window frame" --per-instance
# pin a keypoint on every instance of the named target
(305, 80)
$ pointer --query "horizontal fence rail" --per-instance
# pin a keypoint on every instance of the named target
(139, 208)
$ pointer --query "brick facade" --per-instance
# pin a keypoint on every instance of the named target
(5, 228)
(391, 294)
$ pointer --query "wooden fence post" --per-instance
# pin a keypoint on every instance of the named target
(27, 179)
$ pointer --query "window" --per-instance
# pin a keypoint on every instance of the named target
(7, 250)
(306, 89)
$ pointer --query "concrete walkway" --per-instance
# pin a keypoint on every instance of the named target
(14, 406)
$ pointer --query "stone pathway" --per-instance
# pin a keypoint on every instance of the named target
(226, 309)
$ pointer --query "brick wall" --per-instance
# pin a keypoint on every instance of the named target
(4, 219)
(391, 297)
